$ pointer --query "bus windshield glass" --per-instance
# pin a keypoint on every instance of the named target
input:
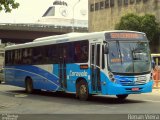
(129, 57)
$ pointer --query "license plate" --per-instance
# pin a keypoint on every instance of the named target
(135, 89)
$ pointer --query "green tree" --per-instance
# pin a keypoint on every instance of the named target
(129, 22)
(8, 5)
(146, 24)
(149, 26)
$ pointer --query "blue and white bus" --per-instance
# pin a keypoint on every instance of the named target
(106, 63)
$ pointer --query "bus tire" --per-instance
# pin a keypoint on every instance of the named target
(29, 85)
(122, 97)
(82, 90)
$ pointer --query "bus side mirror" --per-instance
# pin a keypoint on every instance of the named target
(106, 49)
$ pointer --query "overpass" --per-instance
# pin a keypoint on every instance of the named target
(21, 33)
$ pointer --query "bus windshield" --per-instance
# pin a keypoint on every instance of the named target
(129, 57)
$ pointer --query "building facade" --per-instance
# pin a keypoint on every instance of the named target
(105, 14)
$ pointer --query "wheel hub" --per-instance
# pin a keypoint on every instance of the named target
(83, 90)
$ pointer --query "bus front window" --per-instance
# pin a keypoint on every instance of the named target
(129, 57)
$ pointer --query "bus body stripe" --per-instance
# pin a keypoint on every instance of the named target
(33, 74)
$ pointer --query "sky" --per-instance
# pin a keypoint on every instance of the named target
(30, 11)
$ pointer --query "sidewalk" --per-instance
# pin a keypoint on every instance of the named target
(156, 91)
(156, 88)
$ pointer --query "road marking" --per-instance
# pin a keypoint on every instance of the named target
(5, 92)
(105, 106)
(20, 95)
(152, 101)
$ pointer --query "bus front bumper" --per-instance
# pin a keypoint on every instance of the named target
(117, 89)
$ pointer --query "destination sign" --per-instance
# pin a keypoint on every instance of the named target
(124, 35)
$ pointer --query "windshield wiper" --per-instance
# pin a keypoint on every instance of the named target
(118, 45)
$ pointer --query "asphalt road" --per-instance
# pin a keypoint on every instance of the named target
(13, 100)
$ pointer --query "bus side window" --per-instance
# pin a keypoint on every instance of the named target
(49, 54)
(77, 53)
(54, 53)
(42, 55)
(81, 51)
(103, 62)
(65, 52)
(25, 55)
(12, 57)
(7, 58)
(70, 58)
(20, 56)
(84, 56)
(35, 55)
(29, 57)
(15, 57)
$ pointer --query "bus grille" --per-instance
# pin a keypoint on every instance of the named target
(138, 81)
(126, 82)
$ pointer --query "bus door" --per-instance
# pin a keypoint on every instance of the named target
(95, 67)
(62, 66)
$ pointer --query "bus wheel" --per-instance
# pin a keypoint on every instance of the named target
(122, 97)
(29, 85)
(82, 90)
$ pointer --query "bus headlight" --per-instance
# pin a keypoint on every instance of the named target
(111, 76)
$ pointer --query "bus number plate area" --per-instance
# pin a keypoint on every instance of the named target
(135, 89)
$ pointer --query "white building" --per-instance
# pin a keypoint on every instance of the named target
(63, 13)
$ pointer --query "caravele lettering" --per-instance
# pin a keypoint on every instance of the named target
(78, 74)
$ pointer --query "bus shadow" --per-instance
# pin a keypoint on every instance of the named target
(71, 97)
(113, 100)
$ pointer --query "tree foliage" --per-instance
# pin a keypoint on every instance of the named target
(8, 5)
(146, 24)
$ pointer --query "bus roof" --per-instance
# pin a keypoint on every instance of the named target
(60, 36)
(63, 38)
